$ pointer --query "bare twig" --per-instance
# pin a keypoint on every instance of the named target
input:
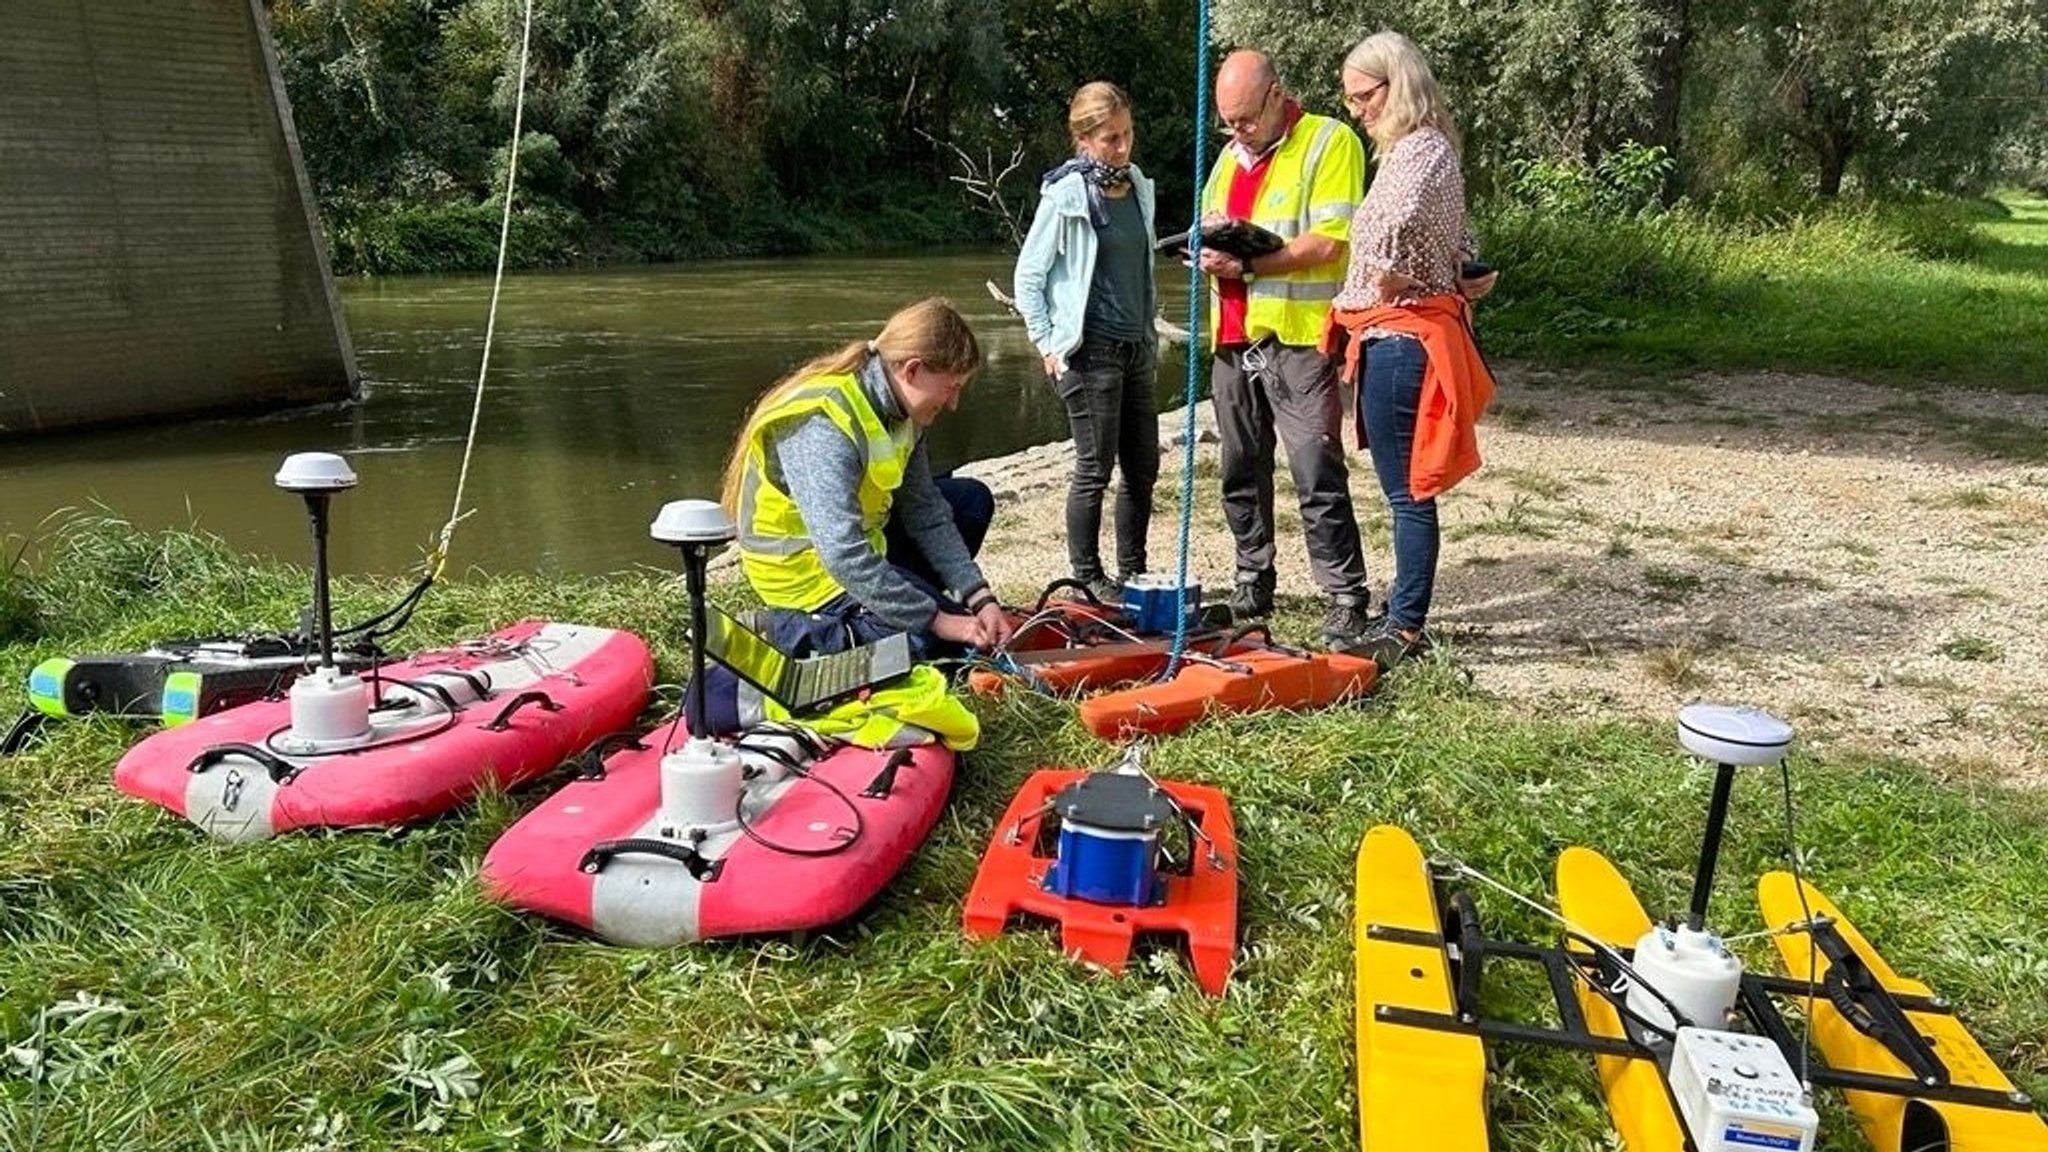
(983, 183)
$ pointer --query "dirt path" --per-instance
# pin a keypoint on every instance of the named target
(1866, 562)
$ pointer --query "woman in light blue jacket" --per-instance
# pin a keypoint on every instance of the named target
(1084, 284)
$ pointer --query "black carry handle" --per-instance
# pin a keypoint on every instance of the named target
(532, 696)
(1870, 1008)
(605, 852)
(281, 771)
(30, 723)
(885, 780)
(590, 763)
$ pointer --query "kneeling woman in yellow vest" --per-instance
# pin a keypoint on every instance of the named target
(844, 532)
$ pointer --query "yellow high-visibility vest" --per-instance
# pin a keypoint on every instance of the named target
(920, 709)
(776, 551)
(1313, 184)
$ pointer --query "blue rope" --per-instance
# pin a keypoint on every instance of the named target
(1195, 318)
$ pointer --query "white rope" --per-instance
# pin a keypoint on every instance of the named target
(456, 515)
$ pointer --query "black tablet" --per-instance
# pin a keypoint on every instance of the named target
(1240, 238)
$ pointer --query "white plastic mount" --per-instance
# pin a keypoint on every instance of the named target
(1734, 734)
(692, 522)
(313, 473)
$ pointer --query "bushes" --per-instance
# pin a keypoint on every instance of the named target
(416, 238)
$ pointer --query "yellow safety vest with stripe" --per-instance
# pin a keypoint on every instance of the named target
(1312, 184)
(920, 709)
(776, 551)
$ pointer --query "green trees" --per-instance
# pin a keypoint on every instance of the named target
(664, 129)
(1892, 94)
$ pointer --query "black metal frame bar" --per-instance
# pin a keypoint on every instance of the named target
(1562, 966)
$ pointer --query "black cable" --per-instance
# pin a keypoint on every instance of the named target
(1619, 1000)
(801, 771)
(383, 624)
(1066, 583)
(1812, 946)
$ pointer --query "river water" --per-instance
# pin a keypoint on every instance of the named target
(609, 394)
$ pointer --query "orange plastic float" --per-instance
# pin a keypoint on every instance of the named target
(1094, 852)
(1243, 680)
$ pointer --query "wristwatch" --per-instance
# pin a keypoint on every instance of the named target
(1244, 270)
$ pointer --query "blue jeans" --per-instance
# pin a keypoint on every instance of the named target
(1389, 396)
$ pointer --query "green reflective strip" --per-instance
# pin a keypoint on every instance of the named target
(181, 698)
(1335, 210)
(46, 686)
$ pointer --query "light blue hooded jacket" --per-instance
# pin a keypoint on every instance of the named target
(1058, 263)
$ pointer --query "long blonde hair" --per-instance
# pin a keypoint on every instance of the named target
(931, 330)
(1093, 104)
(1413, 98)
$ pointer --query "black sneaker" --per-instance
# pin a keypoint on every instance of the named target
(1350, 622)
(1387, 646)
(1105, 590)
(1253, 597)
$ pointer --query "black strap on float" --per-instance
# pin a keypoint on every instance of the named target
(479, 682)
(1870, 1008)
(885, 780)
(281, 771)
(30, 723)
(605, 852)
(590, 762)
(531, 696)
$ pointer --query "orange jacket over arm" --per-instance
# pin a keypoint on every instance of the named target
(1456, 384)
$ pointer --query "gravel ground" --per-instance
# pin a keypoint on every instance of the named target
(1864, 561)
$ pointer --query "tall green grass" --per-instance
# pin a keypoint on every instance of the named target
(354, 991)
(1936, 292)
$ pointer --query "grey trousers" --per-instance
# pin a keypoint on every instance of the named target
(1268, 387)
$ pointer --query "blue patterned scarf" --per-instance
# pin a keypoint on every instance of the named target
(1097, 177)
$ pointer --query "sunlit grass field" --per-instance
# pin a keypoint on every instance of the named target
(355, 991)
(1940, 294)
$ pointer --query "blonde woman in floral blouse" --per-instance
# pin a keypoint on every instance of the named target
(1403, 317)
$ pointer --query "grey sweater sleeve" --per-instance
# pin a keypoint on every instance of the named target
(928, 520)
(821, 471)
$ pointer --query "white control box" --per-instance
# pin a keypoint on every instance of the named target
(1736, 1094)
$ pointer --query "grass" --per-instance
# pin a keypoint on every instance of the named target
(1897, 295)
(354, 991)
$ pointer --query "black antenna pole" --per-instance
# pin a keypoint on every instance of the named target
(1710, 845)
(694, 563)
(316, 511)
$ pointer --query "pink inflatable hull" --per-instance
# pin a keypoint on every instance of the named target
(494, 713)
(545, 863)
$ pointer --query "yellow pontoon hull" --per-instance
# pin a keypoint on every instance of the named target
(1593, 895)
(1417, 1087)
(1896, 1123)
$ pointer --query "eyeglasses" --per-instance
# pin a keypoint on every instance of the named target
(1246, 125)
(1355, 101)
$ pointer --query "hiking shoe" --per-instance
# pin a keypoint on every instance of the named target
(1350, 622)
(1105, 590)
(1386, 646)
(1253, 597)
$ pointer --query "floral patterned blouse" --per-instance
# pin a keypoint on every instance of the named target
(1412, 222)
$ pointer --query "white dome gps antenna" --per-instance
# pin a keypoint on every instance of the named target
(318, 476)
(701, 782)
(330, 709)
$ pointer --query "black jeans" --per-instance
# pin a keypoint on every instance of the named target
(1114, 417)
